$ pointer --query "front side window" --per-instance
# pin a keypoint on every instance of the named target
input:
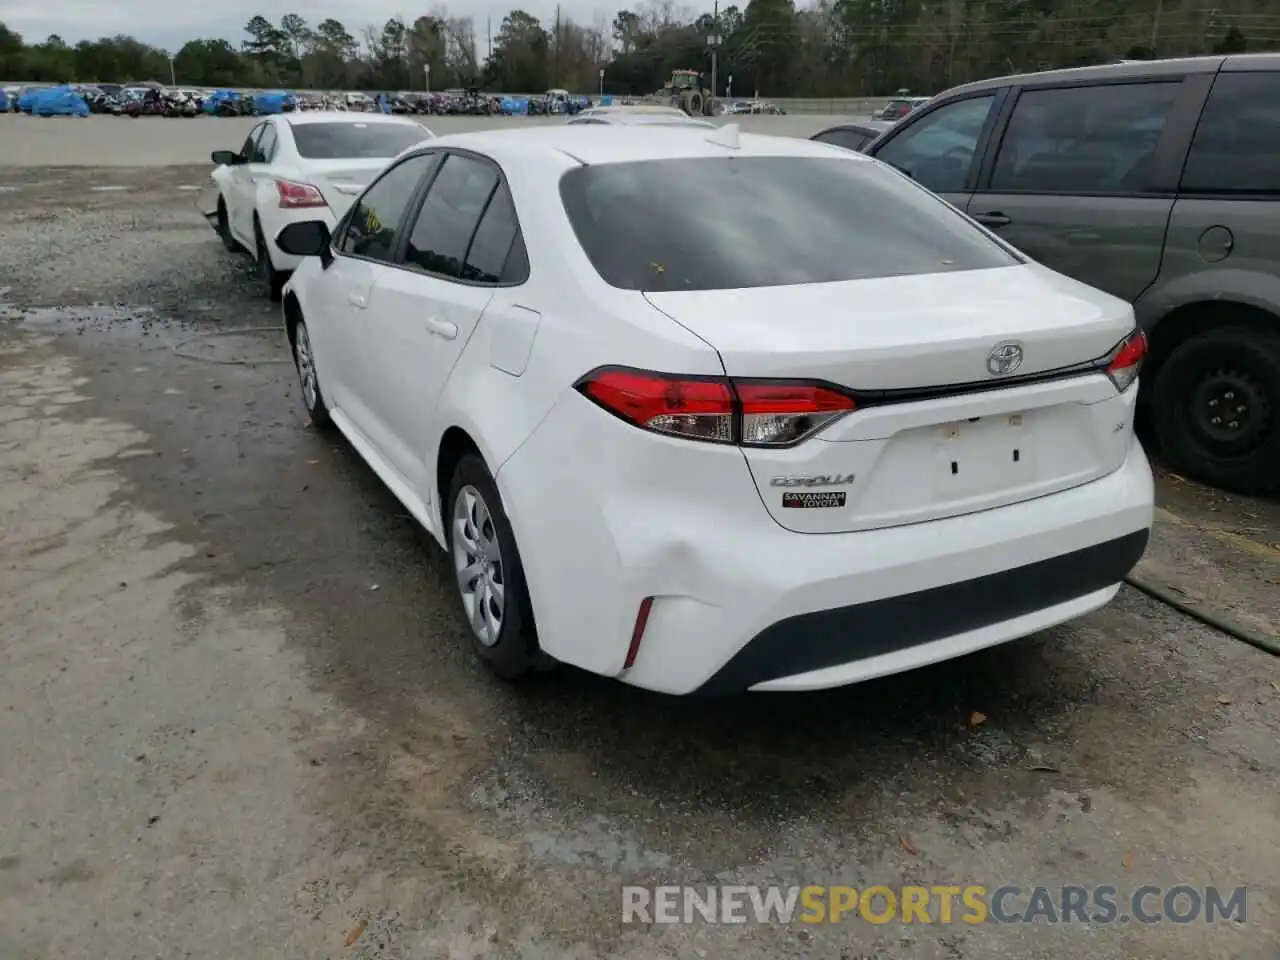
(371, 228)
(1236, 148)
(1086, 140)
(251, 142)
(449, 216)
(937, 150)
(681, 224)
(266, 150)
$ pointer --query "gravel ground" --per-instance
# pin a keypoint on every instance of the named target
(240, 719)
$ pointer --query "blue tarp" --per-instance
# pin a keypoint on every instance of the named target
(5, 105)
(513, 106)
(218, 96)
(272, 101)
(606, 100)
(57, 102)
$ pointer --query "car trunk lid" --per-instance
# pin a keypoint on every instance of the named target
(947, 422)
(342, 180)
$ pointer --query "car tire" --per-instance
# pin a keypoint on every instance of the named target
(500, 625)
(1216, 408)
(304, 361)
(273, 279)
(224, 227)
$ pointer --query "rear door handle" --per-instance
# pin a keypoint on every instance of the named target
(357, 301)
(993, 219)
(441, 328)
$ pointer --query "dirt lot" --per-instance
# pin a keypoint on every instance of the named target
(240, 719)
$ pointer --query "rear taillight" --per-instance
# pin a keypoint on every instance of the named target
(1126, 360)
(776, 414)
(295, 196)
(752, 413)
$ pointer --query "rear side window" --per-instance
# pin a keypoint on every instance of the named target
(355, 141)
(1083, 140)
(1236, 148)
(726, 223)
(490, 248)
(449, 216)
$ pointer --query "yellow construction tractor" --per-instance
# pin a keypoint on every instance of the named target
(687, 92)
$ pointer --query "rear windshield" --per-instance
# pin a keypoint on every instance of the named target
(342, 141)
(728, 223)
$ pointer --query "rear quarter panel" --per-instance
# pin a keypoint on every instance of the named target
(1217, 250)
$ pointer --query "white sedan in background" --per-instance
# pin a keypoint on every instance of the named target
(300, 166)
(701, 444)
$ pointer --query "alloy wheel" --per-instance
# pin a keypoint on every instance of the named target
(306, 366)
(477, 562)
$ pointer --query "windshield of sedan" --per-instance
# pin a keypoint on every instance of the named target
(355, 141)
(728, 223)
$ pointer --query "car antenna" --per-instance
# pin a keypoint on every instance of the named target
(726, 136)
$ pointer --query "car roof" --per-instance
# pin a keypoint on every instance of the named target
(624, 143)
(342, 116)
(1130, 70)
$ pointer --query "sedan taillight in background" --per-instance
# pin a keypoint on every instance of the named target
(1127, 360)
(296, 196)
(750, 413)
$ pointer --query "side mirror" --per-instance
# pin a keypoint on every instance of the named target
(307, 238)
(227, 158)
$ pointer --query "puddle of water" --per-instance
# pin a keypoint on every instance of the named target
(189, 187)
(5, 188)
(108, 189)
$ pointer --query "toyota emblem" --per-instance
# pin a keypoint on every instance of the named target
(1004, 359)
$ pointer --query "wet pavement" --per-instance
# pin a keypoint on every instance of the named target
(240, 718)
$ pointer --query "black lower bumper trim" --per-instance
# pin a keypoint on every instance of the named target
(829, 638)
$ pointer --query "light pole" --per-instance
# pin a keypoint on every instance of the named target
(173, 74)
(426, 77)
(602, 83)
(713, 41)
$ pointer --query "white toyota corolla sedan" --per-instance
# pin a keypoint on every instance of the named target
(300, 166)
(722, 413)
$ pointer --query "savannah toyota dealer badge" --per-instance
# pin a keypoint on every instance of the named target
(811, 499)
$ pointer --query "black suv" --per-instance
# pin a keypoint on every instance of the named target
(1158, 182)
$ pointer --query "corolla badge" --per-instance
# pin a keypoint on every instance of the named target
(1004, 358)
(820, 480)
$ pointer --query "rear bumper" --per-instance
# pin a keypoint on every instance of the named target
(832, 647)
(740, 603)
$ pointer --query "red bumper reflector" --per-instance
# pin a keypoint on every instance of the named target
(637, 634)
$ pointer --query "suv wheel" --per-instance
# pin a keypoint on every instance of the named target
(1216, 408)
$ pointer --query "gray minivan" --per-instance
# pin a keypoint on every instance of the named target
(1158, 182)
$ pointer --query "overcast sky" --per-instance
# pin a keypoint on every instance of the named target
(169, 25)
